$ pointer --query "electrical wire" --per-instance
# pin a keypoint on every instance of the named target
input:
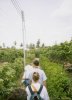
(16, 7)
(18, 4)
(21, 12)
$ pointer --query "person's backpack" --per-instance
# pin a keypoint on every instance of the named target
(35, 95)
(26, 82)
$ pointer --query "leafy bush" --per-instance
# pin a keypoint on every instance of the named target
(9, 55)
(59, 53)
(58, 84)
(9, 76)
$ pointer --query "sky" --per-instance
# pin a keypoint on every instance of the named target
(47, 20)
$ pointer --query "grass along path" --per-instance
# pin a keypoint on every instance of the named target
(58, 83)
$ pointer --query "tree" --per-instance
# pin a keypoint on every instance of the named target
(43, 45)
(31, 46)
(21, 45)
(3, 45)
(15, 43)
(0, 46)
(38, 43)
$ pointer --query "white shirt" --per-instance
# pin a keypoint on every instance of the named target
(41, 74)
(28, 69)
(43, 93)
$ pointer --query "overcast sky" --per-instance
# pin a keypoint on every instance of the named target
(47, 20)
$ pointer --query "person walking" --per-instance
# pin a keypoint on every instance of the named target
(25, 78)
(36, 68)
(36, 91)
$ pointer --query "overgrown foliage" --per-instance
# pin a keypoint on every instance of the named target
(11, 68)
(9, 55)
(58, 84)
(59, 53)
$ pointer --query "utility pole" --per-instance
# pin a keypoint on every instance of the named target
(21, 12)
(23, 31)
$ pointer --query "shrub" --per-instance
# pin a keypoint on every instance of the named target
(58, 84)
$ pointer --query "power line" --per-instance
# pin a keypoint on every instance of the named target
(18, 4)
(16, 7)
(21, 12)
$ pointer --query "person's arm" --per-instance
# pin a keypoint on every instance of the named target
(44, 79)
(23, 78)
(46, 96)
(44, 83)
(30, 77)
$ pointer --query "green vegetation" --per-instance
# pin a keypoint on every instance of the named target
(59, 82)
(10, 72)
(9, 55)
(60, 53)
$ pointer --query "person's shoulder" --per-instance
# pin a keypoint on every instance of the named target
(41, 70)
(28, 67)
(38, 70)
